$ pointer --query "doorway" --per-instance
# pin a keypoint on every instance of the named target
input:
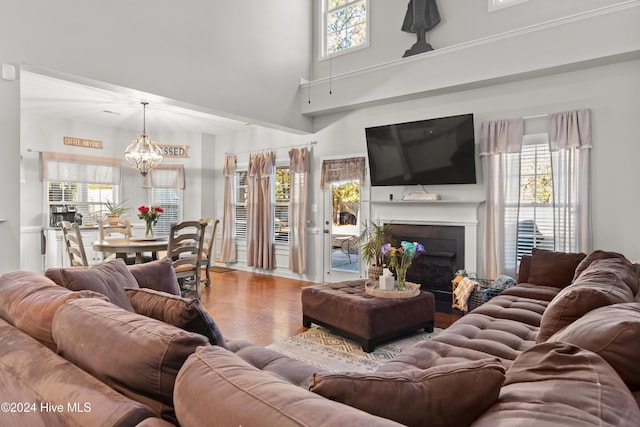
(342, 221)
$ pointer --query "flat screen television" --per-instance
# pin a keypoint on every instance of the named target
(425, 152)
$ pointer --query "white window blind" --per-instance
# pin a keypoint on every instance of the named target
(242, 190)
(281, 204)
(170, 200)
(282, 197)
(535, 216)
(166, 183)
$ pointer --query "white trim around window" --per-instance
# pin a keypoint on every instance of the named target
(501, 4)
(324, 54)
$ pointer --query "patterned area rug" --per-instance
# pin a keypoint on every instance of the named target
(321, 347)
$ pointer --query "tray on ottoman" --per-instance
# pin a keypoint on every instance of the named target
(347, 309)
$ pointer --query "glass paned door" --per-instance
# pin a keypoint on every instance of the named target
(341, 230)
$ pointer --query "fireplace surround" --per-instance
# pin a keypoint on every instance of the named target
(448, 229)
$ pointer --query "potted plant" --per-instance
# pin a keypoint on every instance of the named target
(372, 238)
(115, 211)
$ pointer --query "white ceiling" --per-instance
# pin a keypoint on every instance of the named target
(110, 106)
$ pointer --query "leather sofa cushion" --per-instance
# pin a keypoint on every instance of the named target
(244, 395)
(550, 268)
(157, 275)
(503, 328)
(109, 278)
(29, 301)
(430, 397)
(559, 384)
(185, 313)
(595, 287)
(627, 270)
(613, 332)
(31, 373)
(136, 355)
(293, 371)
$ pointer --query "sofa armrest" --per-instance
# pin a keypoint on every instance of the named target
(31, 373)
(229, 390)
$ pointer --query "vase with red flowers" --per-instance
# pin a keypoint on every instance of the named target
(150, 215)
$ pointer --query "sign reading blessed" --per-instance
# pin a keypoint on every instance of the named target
(79, 142)
(181, 151)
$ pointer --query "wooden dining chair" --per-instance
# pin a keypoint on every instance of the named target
(73, 242)
(112, 227)
(208, 246)
(185, 249)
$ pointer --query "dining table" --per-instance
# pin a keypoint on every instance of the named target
(137, 245)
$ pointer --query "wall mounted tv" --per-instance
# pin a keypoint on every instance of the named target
(425, 152)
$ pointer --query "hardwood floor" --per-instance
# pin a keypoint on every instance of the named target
(262, 309)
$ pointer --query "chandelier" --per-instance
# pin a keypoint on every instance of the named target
(143, 154)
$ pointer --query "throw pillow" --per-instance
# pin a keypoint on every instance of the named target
(138, 356)
(430, 397)
(613, 332)
(158, 275)
(594, 288)
(109, 279)
(554, 269)
(615, 261)
(185, 313)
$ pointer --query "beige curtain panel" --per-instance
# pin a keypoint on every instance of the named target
(260, 249)
(65, 167)
(570, 145)
(165, 176)
(299, 178)
(228, 246)
(342, 170)
(500, 152)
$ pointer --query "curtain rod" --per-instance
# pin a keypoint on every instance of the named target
(273, 148)
(539, 116)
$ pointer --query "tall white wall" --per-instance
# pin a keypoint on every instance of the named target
(611, 92)
(9, 173)
(233, 57)
(462, 21)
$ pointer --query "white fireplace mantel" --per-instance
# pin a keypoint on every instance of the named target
(435, 212)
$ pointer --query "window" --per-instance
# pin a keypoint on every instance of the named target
(282, 194)
(170, 200)
(534, 213)
(499, 4)
(242, 191)
(88, 199)
(281, 202)
(345, 26)
(166, 187)
(84, 182)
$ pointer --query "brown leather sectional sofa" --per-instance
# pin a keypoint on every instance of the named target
(559, 348)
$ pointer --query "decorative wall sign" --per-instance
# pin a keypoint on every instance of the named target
(178, 151)
(85, 143)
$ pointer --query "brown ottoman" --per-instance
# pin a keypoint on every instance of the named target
(347, 309)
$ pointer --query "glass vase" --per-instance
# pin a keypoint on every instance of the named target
(401, 278)
(148, 230)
